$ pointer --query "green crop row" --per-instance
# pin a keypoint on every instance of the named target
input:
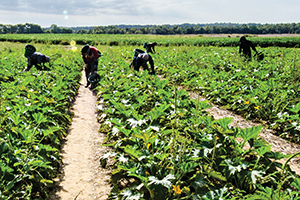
(34, 118)
(138, 40)
(166, 146)
(267, 90)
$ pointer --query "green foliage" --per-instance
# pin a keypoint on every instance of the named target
(166, 146)
(35, 116)
(139, 40)
(264, 90)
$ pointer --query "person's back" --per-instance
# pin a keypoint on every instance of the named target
(37, 59)
(141, 60)
(90, 56)
(150, 47)
(245, 47)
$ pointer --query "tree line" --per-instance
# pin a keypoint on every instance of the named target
(214, 28)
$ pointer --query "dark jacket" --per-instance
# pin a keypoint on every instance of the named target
(246, 46)
(36, 59)
(138, 62)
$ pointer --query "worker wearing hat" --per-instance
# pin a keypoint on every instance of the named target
(141, 60)
(36, 59)
(90, 56)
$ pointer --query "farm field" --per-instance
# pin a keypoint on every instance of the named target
(35, 116)
(167, 145)
(164, 145)
(162, 40)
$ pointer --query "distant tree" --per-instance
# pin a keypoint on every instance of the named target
(208, 29)
(33, 28)
(66, 30)
(198, 29)
(188, 30)
(297, 28)
(54, 29)
(216, 29)
(143, 30)
(244, 29)
(19, 28)
(253, 29)
(82, 31)
(175, 30)
(96, 30)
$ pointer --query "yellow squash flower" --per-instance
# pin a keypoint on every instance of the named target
(147, 145)
(177, 189)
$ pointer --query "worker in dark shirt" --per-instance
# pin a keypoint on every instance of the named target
(245, 47)
(150, 47)
(141, 60)
(90, 56)
(36, 59)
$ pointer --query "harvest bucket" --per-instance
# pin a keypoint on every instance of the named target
(29, 49)
(137, 52)
(94, 78)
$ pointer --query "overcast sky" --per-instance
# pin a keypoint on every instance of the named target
(114, 12)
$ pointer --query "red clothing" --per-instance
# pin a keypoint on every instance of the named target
(92, 55)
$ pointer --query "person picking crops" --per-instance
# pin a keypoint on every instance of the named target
(90, 56)
(36, 59)
(245, 47)
(141, 60)
(150, 47)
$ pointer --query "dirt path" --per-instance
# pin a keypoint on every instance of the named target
(81, 176)
(278, 144)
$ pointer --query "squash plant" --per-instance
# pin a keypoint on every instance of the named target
(35, 117)
(261, 90)
(165, 145)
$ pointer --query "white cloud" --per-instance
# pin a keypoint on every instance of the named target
(110, 12)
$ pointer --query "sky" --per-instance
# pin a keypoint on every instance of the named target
(72, 13)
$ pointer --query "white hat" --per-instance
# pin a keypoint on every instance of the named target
(145, 56)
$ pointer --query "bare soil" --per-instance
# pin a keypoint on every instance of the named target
(278, 144)
(81, 175)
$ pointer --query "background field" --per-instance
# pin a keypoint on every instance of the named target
(162, 40)
(164, 144)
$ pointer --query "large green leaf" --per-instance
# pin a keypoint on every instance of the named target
(249, 133)
(164, 182)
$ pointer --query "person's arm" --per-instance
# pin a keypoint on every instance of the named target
(153, 49)
(31, 60)
(253, 47)
(151, 64)
(240, 49)
(29, 65)
(154, 44)
(84, 59)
